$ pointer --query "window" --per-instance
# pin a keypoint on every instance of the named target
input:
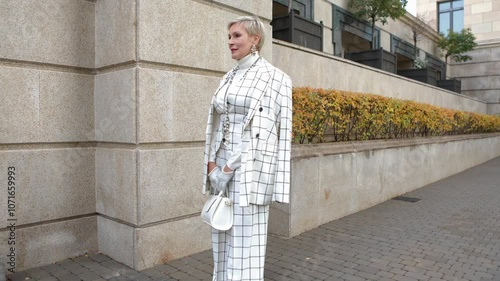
(450, 16)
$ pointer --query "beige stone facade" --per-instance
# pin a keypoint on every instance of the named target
(481, 76)
(103, 109)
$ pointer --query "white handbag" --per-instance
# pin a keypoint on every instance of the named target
(218, 212)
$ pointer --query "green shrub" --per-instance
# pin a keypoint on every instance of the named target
(330, 115)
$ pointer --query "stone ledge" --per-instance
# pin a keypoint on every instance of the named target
(300, 151)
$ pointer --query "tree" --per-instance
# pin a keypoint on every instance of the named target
(456, 43)
(378, 10)
(418, 27)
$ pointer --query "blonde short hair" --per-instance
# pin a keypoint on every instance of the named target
(253, 26)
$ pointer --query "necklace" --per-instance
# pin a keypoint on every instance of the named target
(229, 80)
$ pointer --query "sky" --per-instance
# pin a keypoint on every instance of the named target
(411, 7)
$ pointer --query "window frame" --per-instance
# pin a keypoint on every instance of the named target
(450, 11)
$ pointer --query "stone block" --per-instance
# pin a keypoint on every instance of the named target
(116, 183)
(168, 241)
(475, 69)
(20, 97)
(399, 165)
(492, 16)
(495, 54)
(481, 28)
(53, 31)
(48, 243)
(305, 193)
(50, 183)
(114, 32)
(279, 219)
(170, 183)
(475, 19)
(484, 95)
(327, 40)
(323, 12)
(116, 240)
(260, 8)
(173, 105)
(478, 55)
(488, 37)
(55, 106)
(336, 181)
(475, 83)
(494, 108)
(115, 106)
(496, 25)
(164, 37)
(482, 7)
(66, 107)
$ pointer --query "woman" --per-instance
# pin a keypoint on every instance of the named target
(247, 151)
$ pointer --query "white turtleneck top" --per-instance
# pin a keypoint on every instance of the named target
(237, 107)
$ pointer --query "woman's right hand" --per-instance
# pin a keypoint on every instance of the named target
(219, 179)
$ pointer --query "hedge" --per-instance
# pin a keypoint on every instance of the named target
(321, 115)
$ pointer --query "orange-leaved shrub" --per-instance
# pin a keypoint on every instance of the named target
(321, 115)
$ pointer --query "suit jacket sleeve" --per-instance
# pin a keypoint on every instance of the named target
(282, 181)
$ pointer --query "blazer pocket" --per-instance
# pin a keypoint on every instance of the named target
(264, 166)
(268, 148)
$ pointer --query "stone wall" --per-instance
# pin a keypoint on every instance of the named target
(47, 128)
(480, 77)
(339, 179)
(315, 69)
(104, 107)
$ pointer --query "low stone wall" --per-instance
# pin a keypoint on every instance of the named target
(333, 180)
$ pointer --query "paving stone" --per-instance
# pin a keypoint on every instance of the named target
(119, 278)
(18, 276)
(52, 268)
(165, 268)
(417, 275)
(38, 273)
(368, 276)
(69, 277)
(74, 268)
(201, 275)
(114, 265)
(49, 278)
(88, 276)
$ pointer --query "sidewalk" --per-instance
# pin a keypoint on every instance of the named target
(451, 233)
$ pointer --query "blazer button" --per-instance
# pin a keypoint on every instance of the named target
(260, 109)
(257, 135)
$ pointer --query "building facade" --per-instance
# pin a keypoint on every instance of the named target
(481, 76)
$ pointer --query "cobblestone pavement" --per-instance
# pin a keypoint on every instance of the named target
(452, 233)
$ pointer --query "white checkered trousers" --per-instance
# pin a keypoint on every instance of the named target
(261, 126)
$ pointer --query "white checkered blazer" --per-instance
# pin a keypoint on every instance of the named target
(265, 159)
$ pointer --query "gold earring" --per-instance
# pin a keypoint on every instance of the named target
(253, 49)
